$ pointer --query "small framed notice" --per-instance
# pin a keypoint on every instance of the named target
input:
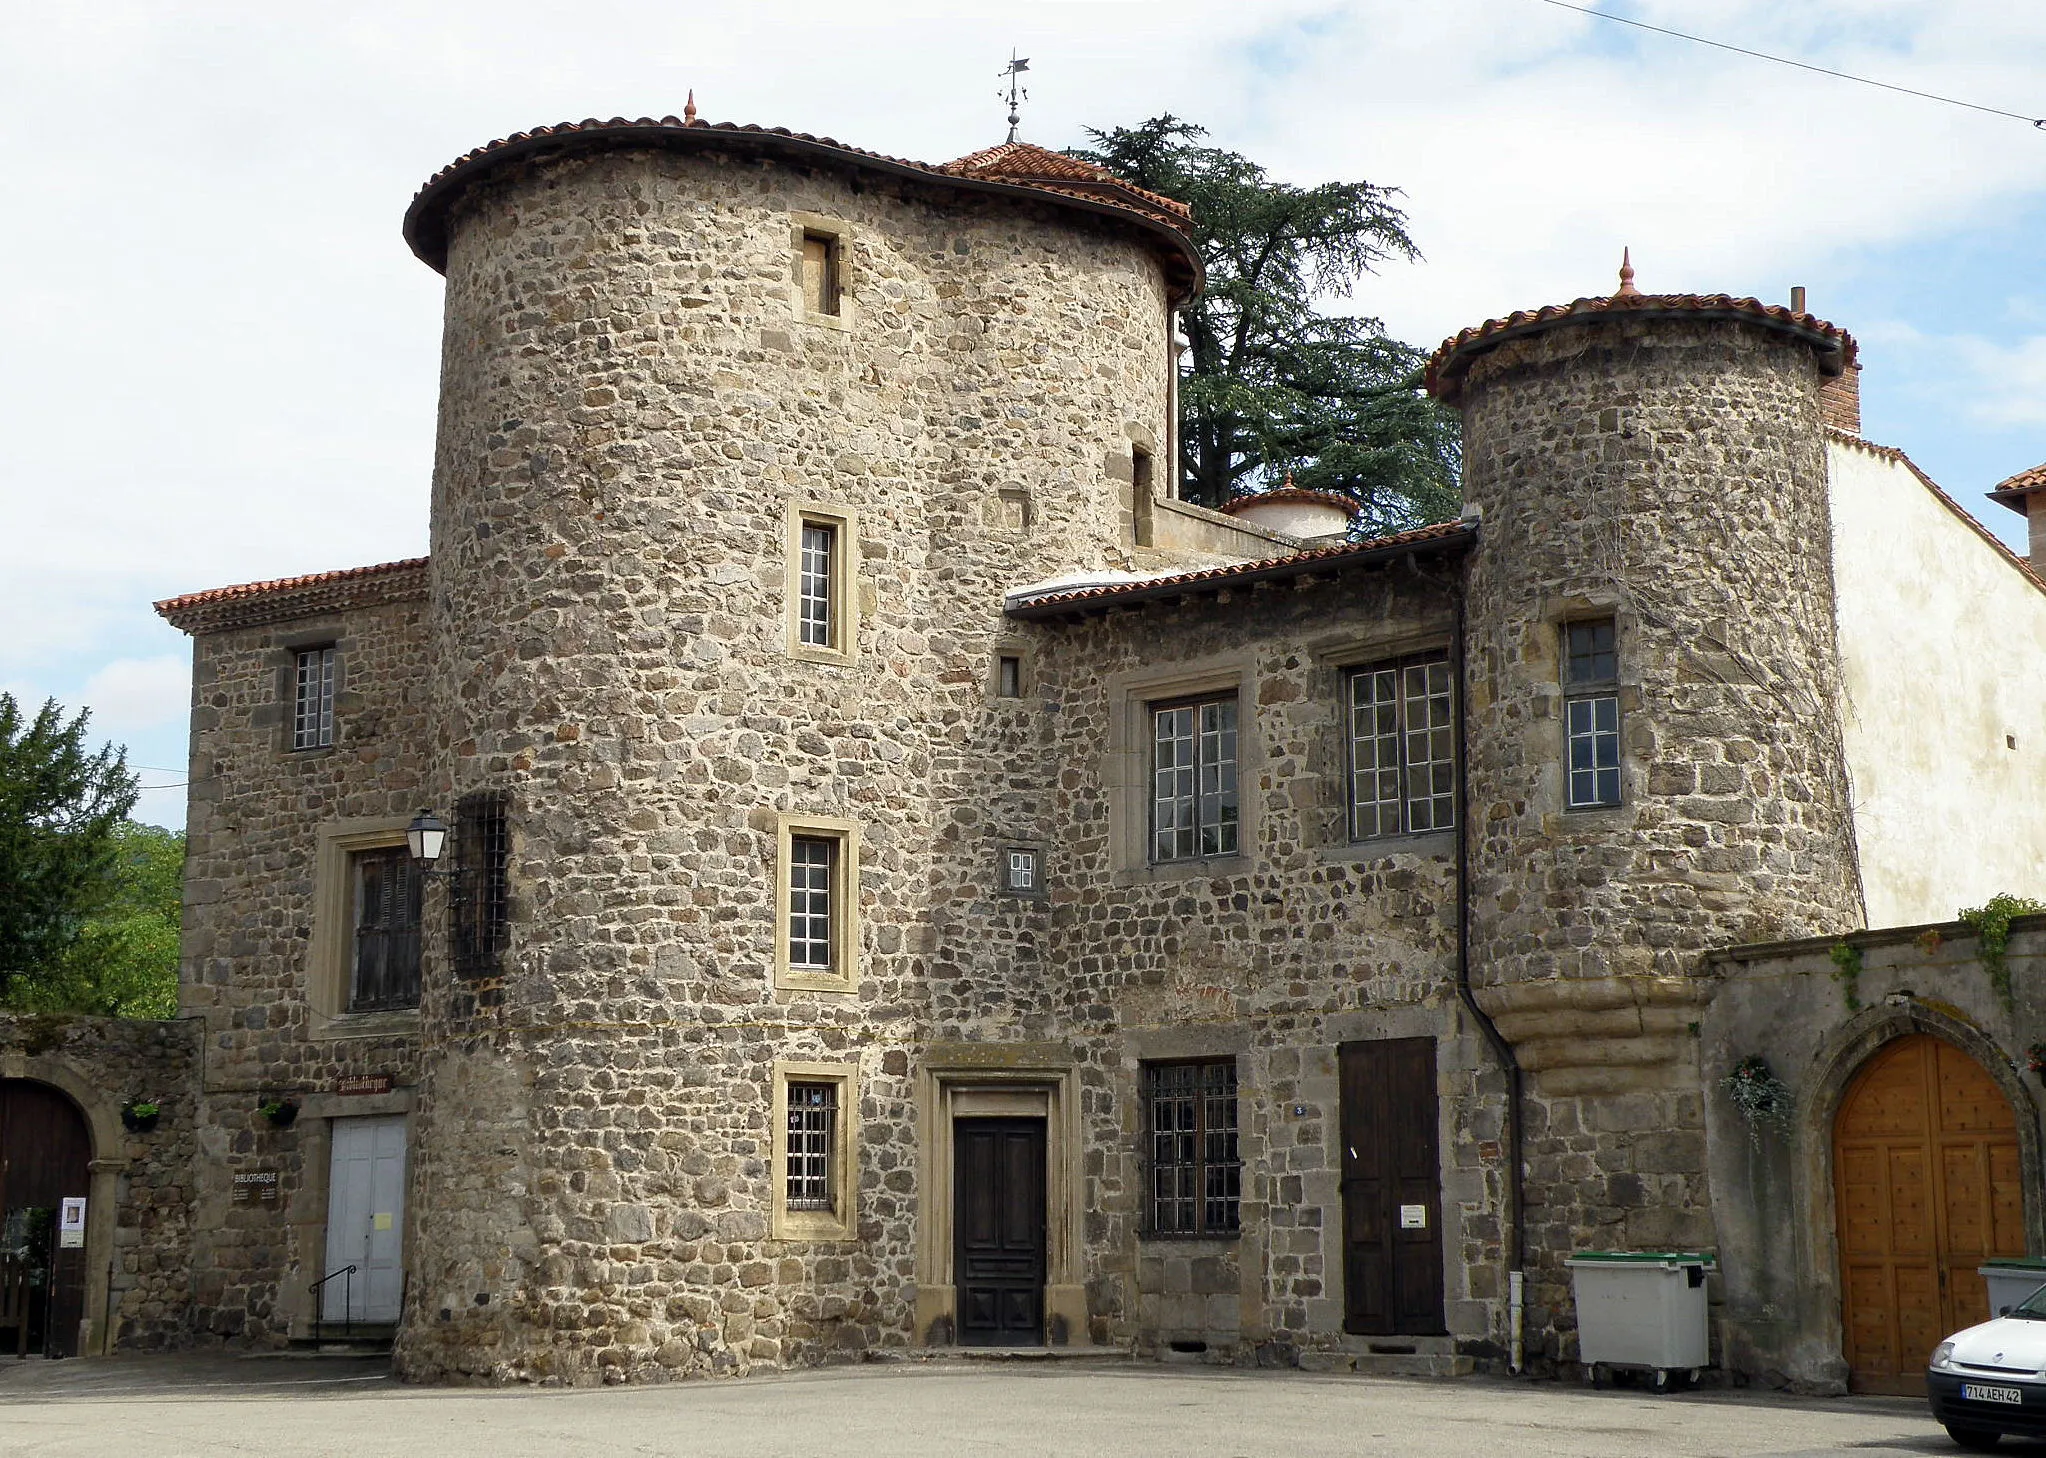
(358, 1084)
(71, 1223)
(253, 1187)
(1413, 1217)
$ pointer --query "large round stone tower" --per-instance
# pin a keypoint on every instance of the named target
(742, 436)
(1655, 758)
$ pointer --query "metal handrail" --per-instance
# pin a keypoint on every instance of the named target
(347, 1301)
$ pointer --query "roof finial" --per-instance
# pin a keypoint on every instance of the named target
(1626, 289)
(1016, 67)
(689, 111)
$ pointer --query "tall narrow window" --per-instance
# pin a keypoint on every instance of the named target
(816, 606)
(1009, 676)
(813, 876)
(820, 273)
(1591, 713)
(480, 902)
(312, 713)
(1196, 1177)
(812, 1140)
(384, 965)
(1193, 780)
(1402, 747)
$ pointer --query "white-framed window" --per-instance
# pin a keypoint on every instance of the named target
(1591, 713)
(823, 612)
(816, 912)
(816, 583)
(816, 1137)
(1402, 746)
(1194, 809)
(1023, 870)
(312, 708)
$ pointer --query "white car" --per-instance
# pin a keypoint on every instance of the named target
(1991, 1379)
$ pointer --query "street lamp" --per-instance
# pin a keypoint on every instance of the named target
(427, 836)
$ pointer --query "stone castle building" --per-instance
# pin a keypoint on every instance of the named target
(915, 882)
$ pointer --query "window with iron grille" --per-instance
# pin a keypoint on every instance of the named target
(813, 874)
(312, 711)
(816, 606)
(812, 1144)
(1402, 747)
(480, 902)
(384, 964)
(1190, 1122)
(1591, 713)
(1193, 780)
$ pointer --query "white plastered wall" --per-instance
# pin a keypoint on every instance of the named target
(1943, 651)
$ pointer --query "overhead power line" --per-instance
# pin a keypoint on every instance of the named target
(2039, 122)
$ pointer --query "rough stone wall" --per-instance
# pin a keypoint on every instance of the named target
(630, 405)
(1672, 474)
(102, 1063)
(255, 812)
(1277, 955)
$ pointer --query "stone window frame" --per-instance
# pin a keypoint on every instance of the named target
(845, 609)
(1147, 1071)
(841, 1222)
(1004, 880)
(1126, 764)
(1400, 664)
(286, 650)
(840, 237)
(1336, 657)
(331, 943)
(1022, 652)
(844, 975)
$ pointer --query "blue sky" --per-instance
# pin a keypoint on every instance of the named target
(221, 360)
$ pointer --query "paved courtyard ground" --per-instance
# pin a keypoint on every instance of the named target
(213, 1407)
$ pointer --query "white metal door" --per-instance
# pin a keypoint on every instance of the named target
(365, 1220)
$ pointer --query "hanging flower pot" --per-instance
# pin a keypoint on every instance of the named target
(140, 1115)
(280, 1112)
(2035, 1060)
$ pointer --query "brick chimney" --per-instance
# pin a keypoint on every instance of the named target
(2025, 493)
(1840, 400)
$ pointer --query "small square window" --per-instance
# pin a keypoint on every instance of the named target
(1022, 871)
(312, 712)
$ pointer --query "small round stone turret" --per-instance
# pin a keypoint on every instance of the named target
(1650, 470)
(669, 347)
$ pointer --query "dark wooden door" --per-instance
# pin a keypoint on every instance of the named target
(1927, 1187)
(998, 1225)
(1392, 1189)
(45, 1157)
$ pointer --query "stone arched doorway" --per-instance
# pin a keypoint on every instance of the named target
(1926, 1186)
(45, 1160)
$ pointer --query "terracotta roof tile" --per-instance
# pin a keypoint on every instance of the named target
(1443, 535)
(1013, 165)
(2012, 493)
(1446, 367)
(250, 603)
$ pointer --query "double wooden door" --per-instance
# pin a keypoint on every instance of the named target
(998, 1228)
(365, 1221)
(1392, 1189)
(45, 1159)
(1926, 1187)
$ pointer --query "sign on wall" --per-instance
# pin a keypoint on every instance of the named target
(254, 1187)
(363, 1083)
(71, 1223)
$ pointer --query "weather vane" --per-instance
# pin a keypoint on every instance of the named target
(1016, 67)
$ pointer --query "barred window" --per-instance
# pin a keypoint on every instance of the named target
(1402, 747)
(1591, 713)
(384, 965)
(1193, 780)
(813, 866)
(1190, 1122)
(816, 617)
(480, 903)
(812, 1145)
(312, 713)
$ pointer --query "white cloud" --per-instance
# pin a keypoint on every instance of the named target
(131, 696)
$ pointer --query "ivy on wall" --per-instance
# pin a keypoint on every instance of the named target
(1991, 924)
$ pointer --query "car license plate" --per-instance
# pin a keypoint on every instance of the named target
(1976, 1392)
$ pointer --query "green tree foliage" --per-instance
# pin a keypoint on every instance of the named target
(124, 963)
(1276, 385)
(61, 810)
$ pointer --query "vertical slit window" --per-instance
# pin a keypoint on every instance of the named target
(813, 868)
(817, 617)
(1194, 808)
(812, 1146)
(312, 715)
(1196, 1177)
(1402, 747)
(480, 899)
(1591, 713)
(820, 273)
(1009, 677)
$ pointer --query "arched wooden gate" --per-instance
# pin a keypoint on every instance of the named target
(1926, 1187)
(45, 1159)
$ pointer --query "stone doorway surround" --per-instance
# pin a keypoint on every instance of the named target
(1003, 1080)
(102, 1113)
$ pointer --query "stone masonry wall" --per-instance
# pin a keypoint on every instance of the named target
(256, 811)
(630, 407)
(1670, 474)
